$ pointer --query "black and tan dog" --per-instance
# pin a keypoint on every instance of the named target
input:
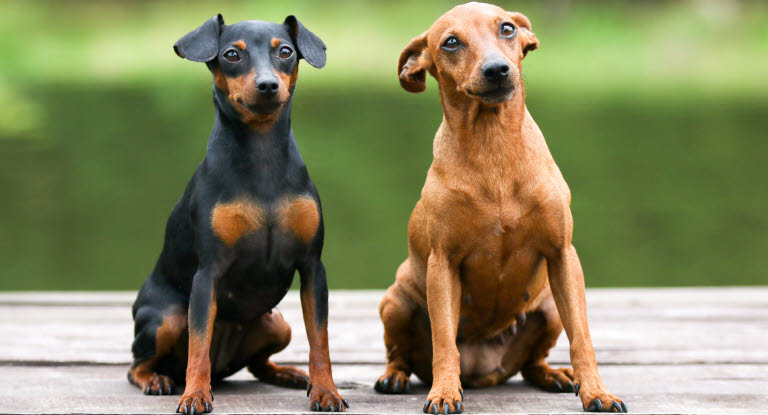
(492, 276)
(248, 219)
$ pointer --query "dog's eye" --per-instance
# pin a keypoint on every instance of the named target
(451, 44)
(285, 52)
(231, 56)
(506, 30)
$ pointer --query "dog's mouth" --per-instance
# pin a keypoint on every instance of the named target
(265, 107)
(494, 95)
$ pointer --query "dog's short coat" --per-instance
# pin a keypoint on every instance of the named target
(492, 276)
(248, 219)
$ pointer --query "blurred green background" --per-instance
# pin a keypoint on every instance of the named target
(655, 111)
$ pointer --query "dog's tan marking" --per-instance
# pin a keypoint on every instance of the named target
(219, 80)
(230, 221)
(198, 378)
(241, 91)
(275, 42)
(143, 374)
(301, 216)
(240, 44)
(174, 323)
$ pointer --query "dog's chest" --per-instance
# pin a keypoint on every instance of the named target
(267, 240)
(506, 219)
(502, 262)
(241, 218)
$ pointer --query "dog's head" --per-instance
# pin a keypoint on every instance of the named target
(254, 63)
(475, 49)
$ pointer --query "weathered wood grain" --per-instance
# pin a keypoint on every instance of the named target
(646, 389)
(687, 350)
(638, 326)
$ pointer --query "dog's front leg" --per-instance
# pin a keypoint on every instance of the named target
(443, 294)
(197, 397)
(322, 392)
(567, 281)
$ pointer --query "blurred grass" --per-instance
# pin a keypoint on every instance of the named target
(655, 111)
(615, 45)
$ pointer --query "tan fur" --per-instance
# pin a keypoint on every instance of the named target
(323, 388)
(230, 221)
(274, 334)
(240, 44)
(275, 42)
(300, 216)
(493, 224)
(167, 335)
(241, 91)
(169, 332)
(198, 378)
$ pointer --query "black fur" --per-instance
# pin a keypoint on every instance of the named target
(249, 278)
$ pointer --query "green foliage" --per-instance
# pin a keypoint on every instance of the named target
(655, 112)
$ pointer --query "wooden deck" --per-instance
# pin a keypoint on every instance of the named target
(702, 350)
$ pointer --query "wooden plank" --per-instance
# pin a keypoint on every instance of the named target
(702, 350)
(717, 297)
(646, 389)
(682, 326)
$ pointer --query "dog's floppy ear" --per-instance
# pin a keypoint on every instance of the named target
(413, 64)
(310, 47)
(201, 44)
(528, 39)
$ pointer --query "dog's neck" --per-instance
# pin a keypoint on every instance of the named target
(234, 144)
(472, 129)
(249, 136)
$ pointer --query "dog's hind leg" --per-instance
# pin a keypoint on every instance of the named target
(406, 337)
(267, 336)
(157, 332)
(536, 370)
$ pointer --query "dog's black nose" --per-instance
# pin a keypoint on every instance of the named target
(495, 70)
(267, 87)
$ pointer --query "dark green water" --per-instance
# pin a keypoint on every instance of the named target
(666, 191)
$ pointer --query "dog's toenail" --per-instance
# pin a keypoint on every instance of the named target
(557, 386)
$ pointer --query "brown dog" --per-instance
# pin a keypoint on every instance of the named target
(492, 271)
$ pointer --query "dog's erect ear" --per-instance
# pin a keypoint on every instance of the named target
(527, 38)
(413, 64)
(201, 44)
(310, 47)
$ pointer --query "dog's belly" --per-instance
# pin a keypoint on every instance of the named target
(502, 276)
(260, 276)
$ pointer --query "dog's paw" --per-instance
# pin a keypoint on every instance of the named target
(286, 376)
(153, 384)
(600, 401)
(444, 398)
(394, 381)
(196, 400)
(325, 399)
(549, 379)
